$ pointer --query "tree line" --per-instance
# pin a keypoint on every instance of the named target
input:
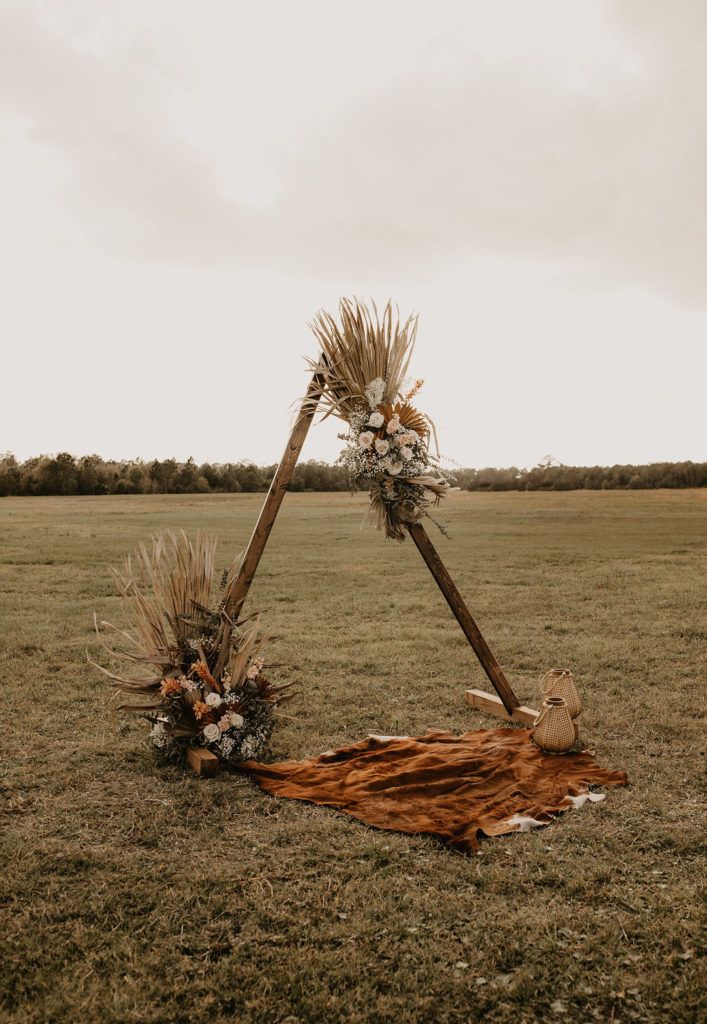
(65, 474)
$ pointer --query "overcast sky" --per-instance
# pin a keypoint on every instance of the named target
(183, 183)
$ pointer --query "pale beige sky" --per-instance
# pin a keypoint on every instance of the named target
(184, 183)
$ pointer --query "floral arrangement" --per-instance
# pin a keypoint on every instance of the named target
(208, 687)
(362, 371)
(233, 718)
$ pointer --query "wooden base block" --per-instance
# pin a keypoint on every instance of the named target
(491, 705)
(204, 763)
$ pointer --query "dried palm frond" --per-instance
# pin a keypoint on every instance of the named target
(410, 417)
(365, 346)
(169, 590)
(208, 687)
(176, 630)
(360, 377)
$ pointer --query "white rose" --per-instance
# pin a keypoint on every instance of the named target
(376, 420)
(406, 439)
(406, 454)
(393, 424)
(211, 733)
(392, 467)
(213, 700)
(382, 447)
(365, 439)
(236, 720)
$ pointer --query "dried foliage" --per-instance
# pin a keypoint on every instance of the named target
(365, 346)
(362, 373)
(207, 686)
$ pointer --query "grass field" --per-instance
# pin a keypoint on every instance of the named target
(134, 892)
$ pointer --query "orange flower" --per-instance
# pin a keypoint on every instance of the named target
(200, 709)
(203, 672)
(170, 687)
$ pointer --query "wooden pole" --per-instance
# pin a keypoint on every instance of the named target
(266, 520)
(463, 616)
(271, 505)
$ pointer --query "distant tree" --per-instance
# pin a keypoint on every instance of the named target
(10, 475)
(250, 477)
(60, 475)
(90, 474)
(163, 475)
(186, 477)
(137, 475)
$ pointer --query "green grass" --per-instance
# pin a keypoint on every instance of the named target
(134, 892)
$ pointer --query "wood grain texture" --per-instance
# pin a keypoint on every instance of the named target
(273, 499)
(203, 762)
(490, 704)
(463, 616)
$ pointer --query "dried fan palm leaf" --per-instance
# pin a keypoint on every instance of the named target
(209, 689)
(360, 377)
(168, 590)
(165, 587)
(410, 417)
(365, 346)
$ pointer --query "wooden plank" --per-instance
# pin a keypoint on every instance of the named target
(204, 763)
(492, 705)
(463, 616)
(273, 500)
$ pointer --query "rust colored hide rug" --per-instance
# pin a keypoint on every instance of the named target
(491, 782)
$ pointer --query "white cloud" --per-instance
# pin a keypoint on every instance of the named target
(605, 173)
(184, 184)
(466, 150)
(134, 186)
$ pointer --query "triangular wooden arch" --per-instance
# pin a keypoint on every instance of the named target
(506, 705)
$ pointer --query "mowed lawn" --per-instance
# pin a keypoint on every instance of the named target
(135, 892)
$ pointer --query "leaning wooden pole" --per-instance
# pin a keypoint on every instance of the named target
(463, 616)
(271, 505)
